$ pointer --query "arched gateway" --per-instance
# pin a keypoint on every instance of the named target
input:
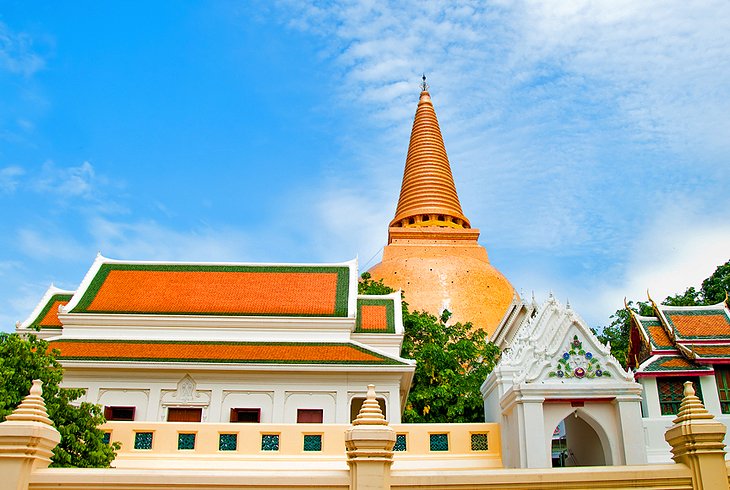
(553, 369)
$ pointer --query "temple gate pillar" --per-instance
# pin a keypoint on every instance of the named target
(27, 439)
(370, 447)
(697, 441)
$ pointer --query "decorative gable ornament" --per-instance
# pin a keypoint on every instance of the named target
(555, 345)
(578, 363)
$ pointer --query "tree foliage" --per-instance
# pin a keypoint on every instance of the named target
(452, 361)
(25, 359)
(711, 292)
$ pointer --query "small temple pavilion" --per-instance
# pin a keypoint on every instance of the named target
(433, 254)
(678, 344)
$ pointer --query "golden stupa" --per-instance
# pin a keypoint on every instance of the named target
(432, 252)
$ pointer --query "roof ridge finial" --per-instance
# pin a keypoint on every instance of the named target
(424, 85)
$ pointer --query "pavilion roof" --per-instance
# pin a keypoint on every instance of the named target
(680, 338)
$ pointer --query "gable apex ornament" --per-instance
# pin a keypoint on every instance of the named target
(578, 363)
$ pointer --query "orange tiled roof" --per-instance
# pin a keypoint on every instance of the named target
(700, 323)
(659, 337)
(218, 290)
(224, 352)
(374, 318)
(670, 364)
(712, 350)
(375, 315)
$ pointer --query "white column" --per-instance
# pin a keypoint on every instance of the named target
(277, 411)
(651, 394)
(710, 396)
(631, 427)
(216, 404)
(342, 407)
(153, 405)
(532, 434)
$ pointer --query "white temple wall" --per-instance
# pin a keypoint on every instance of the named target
(277, 394)
(655, 424)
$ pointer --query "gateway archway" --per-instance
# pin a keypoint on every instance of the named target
(578, 443)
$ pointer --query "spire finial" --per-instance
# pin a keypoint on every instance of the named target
(424, 85)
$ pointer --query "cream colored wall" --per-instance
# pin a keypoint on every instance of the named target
(291, 454)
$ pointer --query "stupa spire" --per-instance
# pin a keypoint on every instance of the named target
(428, 194)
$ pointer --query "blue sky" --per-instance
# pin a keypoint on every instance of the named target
(589, 140)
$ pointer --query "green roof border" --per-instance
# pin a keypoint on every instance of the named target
(341, 292)
(383, 359)
(389, 312)
(656, 366)
(56, 297)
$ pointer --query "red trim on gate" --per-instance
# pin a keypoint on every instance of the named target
(579, 400)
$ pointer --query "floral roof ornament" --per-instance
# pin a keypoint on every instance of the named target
(578, 363)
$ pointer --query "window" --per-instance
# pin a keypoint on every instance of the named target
(269, 442)
(479, 441)
(143, 440)
(401, 443)
(119, 413)
(312, 442)
(184, 414)
(185, 441)
(722, 378)
(310, 416)
(246, 415)
(439, 442)
(227, 442)
(671, 392)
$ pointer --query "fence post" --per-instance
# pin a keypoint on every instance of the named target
(370, 444)
(697, 441)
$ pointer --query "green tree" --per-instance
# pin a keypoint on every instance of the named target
(452, 361)
(25, 359)
(618, 331)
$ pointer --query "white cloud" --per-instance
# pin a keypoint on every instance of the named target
(17, 54)
(148, 240)
(68, 182)
(50, 243)
(9, 178)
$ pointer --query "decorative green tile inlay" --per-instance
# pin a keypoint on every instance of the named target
(228, 442)
(479, 442)
(313, 442)
(186, 441)
(269, 442)
(439, 442)
(143, 440)
(106, 438)
(400, 443)
(578, 363)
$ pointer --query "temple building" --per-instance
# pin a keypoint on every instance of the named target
(233, 342)
(432, 254)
